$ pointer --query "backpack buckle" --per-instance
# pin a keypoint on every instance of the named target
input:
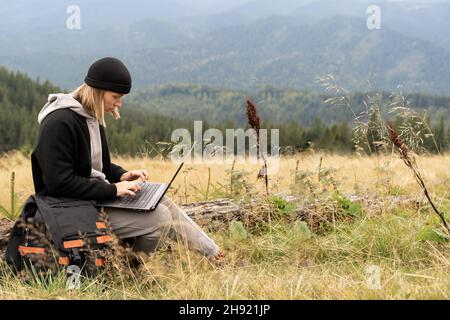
(76, 258)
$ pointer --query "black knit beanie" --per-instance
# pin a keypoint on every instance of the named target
(109, 74)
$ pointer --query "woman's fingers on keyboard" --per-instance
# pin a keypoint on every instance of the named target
(131, 193)
(136, 188)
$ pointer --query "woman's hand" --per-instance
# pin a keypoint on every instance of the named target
(134, 174)
(127, 188)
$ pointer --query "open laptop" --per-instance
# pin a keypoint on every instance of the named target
(147, 199)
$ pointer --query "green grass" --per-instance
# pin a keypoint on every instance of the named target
(286, 261)
(14, 211)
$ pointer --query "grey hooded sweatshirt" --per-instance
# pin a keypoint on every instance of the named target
(67, 101)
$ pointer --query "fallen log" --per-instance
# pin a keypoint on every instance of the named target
(217, 214)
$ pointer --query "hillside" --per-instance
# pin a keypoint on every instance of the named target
(151, 115)
(276, 105)
(21, 99)
(246, 47)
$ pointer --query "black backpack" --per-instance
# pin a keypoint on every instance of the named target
(58, 233)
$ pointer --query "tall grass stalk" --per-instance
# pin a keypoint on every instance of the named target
(254, 122)
(410, 162)
(14, 211)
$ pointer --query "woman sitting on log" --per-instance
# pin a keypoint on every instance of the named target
(72, 160)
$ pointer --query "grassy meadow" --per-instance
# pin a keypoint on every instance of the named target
(386, 250)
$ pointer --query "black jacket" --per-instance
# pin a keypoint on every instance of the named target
(61, 161)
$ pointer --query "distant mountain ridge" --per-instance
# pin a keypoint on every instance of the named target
(288, 43)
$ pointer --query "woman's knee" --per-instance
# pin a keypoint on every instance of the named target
(161, 216)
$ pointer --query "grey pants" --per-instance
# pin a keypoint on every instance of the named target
(151, 229)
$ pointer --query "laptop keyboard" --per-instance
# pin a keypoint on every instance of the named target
(142, 197)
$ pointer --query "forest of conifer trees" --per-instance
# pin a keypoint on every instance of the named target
(144, 121)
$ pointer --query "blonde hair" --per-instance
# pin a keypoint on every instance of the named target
(92, 101)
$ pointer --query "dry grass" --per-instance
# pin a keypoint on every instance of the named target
(281, 263)
(358, 175)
